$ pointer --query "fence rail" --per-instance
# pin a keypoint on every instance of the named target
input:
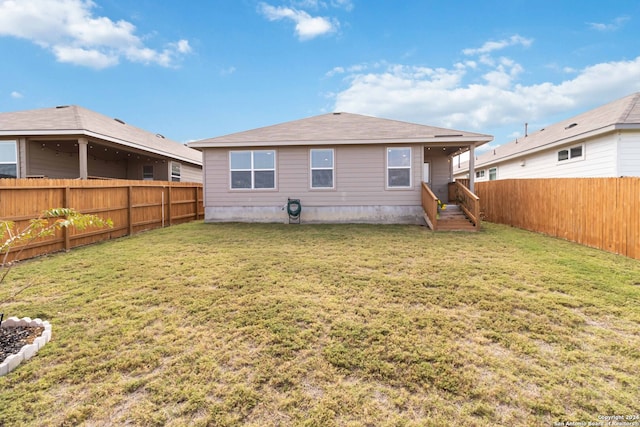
(133, 206)
(599, 212)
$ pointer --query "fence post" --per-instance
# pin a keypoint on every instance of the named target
(196, 211)
(169, 202)
(130, 209)
(65, 230)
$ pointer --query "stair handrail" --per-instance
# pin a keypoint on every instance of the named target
(469, 203)
(430, 206)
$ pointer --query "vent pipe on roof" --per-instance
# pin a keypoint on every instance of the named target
(526, 132)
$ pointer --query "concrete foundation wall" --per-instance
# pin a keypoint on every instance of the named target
(315, 214)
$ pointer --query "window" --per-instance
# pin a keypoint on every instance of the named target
(147, 172)
(322, 168)
(8, 159)
(175, 171)
(573, 153)
(493, 174)
(480, 174)
(253, 169)
(399, 167)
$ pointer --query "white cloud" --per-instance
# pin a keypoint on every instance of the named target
(611, 26)
(443, 97)
(16, 95)
(335, 71)
(69, 29)
(307, 26)
(491, 46)
(320, 4)
(228, 71)
(344, 4)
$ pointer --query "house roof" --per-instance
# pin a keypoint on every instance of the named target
(339, 129)
(621, 114)
(73, 120)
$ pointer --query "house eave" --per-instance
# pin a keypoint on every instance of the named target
(95, 135)
(455, 140)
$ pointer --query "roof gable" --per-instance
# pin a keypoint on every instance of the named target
(339, 128)
(76, 120)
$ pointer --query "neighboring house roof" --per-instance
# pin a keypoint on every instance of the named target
(339, 129)
(73, 120)
(621, 114)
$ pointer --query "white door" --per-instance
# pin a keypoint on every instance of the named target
(425, 172)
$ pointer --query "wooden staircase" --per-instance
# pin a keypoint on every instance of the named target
(453, 219)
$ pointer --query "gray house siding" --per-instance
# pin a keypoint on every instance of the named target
(629, 154)
(440, 172)
(190, 173)
(360, 193)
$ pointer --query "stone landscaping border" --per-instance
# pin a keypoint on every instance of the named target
(28, 351)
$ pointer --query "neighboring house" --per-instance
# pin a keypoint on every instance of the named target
(603, 142)
(73, 142)
(342, 167)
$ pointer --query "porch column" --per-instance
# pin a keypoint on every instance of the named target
(22, 158)
(472, 167)
(82, 156)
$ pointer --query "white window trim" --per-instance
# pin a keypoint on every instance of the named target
(332, 169)
(571, 159)
(253, 170)
(480, 173)
(171, 175)
(15, 161)
(410, 167)
(489, 174)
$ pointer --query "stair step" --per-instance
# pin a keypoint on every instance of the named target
(453, 219)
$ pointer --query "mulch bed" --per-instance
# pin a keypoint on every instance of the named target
(13, 338)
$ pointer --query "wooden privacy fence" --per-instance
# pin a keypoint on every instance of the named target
(602, 213)
(133, 206)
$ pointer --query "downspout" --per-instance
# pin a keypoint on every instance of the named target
(472, 167)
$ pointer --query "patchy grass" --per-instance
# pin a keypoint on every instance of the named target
(228, 324)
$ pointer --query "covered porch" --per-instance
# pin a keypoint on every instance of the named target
(448, 204)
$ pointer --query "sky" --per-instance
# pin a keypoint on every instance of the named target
(199, 69)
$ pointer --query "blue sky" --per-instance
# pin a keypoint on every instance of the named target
(200, 69)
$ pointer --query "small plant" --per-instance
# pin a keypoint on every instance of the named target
(45, 225)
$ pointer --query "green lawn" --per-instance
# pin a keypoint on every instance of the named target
(323, 325)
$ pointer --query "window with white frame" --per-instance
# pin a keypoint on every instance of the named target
(480, 174)
(8, 159)
(253, 169)
(322, 168)
(493, 174)
(572, 153)
(399, 167)
(175, 171)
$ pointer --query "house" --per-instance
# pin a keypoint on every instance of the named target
(74, 142)
(603, 142)
(341, 167)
